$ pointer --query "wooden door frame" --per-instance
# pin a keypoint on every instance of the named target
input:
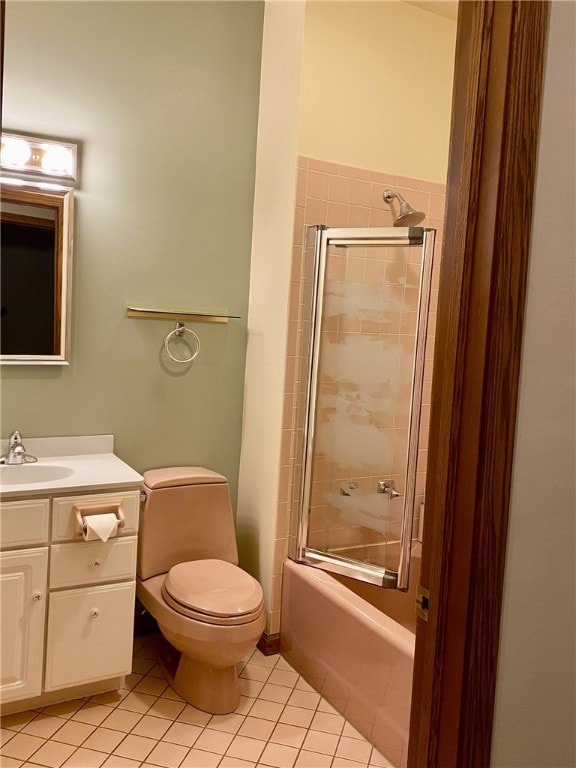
(495, 124)
(2, 34)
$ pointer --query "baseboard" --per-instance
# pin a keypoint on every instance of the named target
(269, 644)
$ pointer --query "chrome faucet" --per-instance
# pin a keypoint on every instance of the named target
(388, 487)
(16, 453)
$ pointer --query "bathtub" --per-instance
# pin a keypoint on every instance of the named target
(398, 605)
(358, 658)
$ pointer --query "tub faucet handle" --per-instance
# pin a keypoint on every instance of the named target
(388, 487)
(347, 489)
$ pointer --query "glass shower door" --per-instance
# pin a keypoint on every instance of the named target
(370, 302)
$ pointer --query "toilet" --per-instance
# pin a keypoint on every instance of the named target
(207, 608)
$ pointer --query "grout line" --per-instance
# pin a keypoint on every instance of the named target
(87, 703)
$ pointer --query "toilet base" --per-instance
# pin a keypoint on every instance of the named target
(212, 690)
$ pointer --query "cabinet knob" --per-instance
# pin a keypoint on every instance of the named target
(37, 596)
(94, 613)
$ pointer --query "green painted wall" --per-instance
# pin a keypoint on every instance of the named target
(163, 99)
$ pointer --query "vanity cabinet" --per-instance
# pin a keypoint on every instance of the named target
(67, 604)
(23, 595)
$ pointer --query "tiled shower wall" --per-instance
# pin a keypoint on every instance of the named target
(341, 196)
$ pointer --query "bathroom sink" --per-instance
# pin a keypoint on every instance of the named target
(20, 474)
(76, 464)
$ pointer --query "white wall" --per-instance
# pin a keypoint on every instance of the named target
(535, 717)
(269, 286)
(377, 87)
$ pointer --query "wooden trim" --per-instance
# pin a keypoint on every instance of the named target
(496, 107)
(2, 40)
(269, 644)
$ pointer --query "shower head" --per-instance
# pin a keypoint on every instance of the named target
(407, 216)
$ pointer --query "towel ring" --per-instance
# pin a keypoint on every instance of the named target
(179, 331)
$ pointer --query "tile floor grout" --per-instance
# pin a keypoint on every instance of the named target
(281, 722)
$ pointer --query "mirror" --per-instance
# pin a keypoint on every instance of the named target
(35, 286)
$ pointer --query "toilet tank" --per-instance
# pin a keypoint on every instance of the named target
(187, 515)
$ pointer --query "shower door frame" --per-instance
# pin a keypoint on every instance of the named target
(358, 236)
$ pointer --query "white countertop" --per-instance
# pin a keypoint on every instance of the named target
(67, 465)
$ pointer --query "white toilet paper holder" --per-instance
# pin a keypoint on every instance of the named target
(83, 510)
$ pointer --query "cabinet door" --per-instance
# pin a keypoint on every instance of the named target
(23, 576)
(89, 635)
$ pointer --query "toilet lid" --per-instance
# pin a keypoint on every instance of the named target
(213, 590)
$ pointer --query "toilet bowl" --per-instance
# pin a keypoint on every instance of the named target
(207, 608)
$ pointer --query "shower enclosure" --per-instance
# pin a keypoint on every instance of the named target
(363, 323)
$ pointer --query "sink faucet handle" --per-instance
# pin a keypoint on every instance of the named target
(15, 438)
(16, 453)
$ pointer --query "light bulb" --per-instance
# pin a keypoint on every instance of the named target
(15, 152)
(56, 159)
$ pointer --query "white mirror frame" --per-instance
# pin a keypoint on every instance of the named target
(60, 200)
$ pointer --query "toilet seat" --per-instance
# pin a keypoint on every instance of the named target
(213, 592)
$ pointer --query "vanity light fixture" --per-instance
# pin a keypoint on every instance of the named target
(37, 157)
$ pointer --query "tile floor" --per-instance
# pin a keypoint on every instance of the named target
(281, 722)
